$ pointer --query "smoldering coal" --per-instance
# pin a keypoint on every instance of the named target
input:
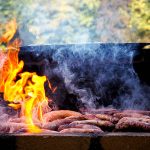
(95, 75)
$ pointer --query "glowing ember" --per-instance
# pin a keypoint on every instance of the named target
(23, 90)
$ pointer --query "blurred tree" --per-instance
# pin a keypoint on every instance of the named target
(140, 19)
(53, 21)
(137, 19)
(68, 21)
(111, 25)
(65, 21)
(12, 9)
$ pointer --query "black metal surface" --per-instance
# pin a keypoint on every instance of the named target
(40, 58)
(37, 56)
(7, 142)
(141, 64)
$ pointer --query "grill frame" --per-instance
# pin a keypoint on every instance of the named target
(106, 141)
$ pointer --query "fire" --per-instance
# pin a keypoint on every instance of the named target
(10, 30)
(22, 90)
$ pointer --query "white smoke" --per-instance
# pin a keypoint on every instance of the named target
(102, 75)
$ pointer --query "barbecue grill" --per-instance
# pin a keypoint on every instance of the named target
(45, 57)
(41, 58)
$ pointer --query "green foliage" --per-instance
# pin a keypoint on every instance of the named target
(53, 20)
(137, 20)
(11, 9)
(140, 18)
(67, 21)
(88, 11)
(140, 15)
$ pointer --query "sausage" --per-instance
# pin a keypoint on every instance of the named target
(107, 117)
(11, 127)
(81, 126)
(90, 116)
(127, 123)
(100, 123)
(59, 114)
(129, 114)
(109, 111)
(81, 117)
(104, 117)
(17, 120)
(56, 123)
(44, 131)
(143, 112)
(76, 130)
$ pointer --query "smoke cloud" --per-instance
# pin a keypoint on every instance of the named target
(99, 75)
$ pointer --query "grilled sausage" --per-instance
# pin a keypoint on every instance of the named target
(143, 112)
(56, 123)
(85, 131)
(11, 127)
(60, 114)
(80, 126)
(135, 124)
(129, 114)
(81, 117)
(100, 123)
(109, 111)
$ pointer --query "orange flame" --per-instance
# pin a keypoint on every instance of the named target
(23, 90)
(10, 30)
